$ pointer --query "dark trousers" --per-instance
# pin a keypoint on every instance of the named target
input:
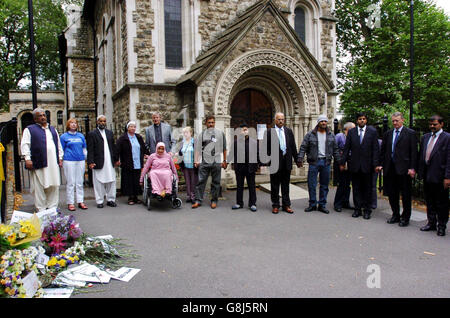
(362, 190)
(395, 185)
(129, 183)
(283, 178)
(191, 178)
(240, 176)
(204, 170)
(437, 204)
(342, 198)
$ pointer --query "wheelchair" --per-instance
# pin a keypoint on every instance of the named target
(148, 195)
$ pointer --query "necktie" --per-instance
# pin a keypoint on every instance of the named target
(361, 130)
(282, 141)
(394, 143)
(430, 148)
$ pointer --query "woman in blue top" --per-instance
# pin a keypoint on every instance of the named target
(74, 146)
(187, 165)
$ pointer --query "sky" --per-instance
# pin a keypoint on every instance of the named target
(444, 4)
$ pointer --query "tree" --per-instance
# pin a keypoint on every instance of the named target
(375, 76)
(49, 21)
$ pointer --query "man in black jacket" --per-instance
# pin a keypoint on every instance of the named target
(320, 147)
(362, 144)
(398, 159)
(434, 169)
(245, 165)
(280, 172)
(101, 159)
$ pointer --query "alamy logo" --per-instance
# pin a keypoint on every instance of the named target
(374, 279)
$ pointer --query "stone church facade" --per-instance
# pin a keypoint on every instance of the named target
(237, 59)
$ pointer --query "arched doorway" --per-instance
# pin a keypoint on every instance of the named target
(26, 120)
(252, 107)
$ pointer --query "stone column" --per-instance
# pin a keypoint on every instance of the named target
(223, 124)
(298, 140)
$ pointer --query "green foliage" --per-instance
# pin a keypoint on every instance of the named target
(49, 22)
(376, 77)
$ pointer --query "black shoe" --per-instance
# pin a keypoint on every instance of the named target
(393, 220)
(366, 215)
(100, 206)
(111, 204)
(441, 231)
(356, 214)
(311, 208)
(403, 223)
(323, 209)
(428, 227)
(338, 209)
(188, 200)
(348, 206)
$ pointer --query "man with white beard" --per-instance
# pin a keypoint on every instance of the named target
(43, 154)
(101, 159)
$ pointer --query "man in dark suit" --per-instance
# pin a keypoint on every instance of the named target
(159, 132)
(245, 165)
(362, 144)
(280, 172)
(398, 160)
(101, 159)
(434, 169)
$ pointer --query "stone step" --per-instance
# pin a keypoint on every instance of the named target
(295, 192)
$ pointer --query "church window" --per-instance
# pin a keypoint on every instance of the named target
(300, 27)
(173, 34)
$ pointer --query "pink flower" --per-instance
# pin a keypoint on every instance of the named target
(57, 243)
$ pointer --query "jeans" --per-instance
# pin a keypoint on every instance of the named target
(323, 170)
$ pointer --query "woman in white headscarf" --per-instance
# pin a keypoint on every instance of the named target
(162, 169)
(131, 150)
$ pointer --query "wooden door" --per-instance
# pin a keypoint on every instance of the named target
(252, 107)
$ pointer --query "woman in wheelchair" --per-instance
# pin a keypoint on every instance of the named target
(162, 171)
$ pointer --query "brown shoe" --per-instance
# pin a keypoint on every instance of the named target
(213, 205)
(82, 206)
(288, 209)
(71, 207)
(196, 205)
(275, 210)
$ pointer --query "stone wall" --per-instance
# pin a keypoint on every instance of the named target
(82, 84)
(164, 99)
(9, 181)
(144, 19)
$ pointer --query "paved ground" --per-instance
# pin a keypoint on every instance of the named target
(225, 253)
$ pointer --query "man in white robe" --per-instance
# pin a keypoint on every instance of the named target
(101, 155)
(44, 166)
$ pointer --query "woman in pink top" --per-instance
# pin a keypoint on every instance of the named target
(161, 168)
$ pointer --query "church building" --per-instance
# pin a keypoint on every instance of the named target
(240, 60)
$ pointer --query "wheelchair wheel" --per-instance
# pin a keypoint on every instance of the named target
(148, 203)
(176, 203)
(145, 194)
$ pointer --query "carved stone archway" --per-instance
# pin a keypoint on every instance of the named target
(277, 63)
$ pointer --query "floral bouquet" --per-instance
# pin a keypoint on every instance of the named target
(19, 234)
(14, 266)
(60, 233)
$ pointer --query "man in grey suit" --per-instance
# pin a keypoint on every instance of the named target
(159, 132)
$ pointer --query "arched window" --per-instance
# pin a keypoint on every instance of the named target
(47, 114)
(173, 34)
(59, 116)
(300, 27)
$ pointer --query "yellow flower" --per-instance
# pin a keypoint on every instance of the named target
(12, 238)
(4, 228)
(52, 262)
(62, 263)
